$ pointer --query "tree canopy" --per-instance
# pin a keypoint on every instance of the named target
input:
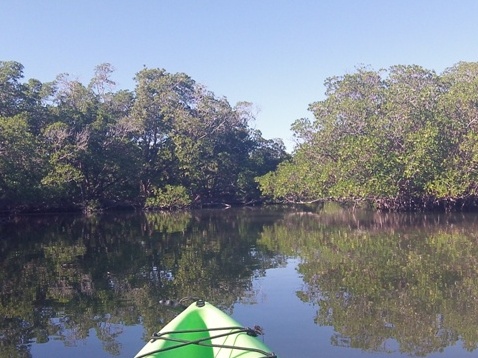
(404, 138)
(168, 143)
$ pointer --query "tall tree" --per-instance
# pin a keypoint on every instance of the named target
(458, 108)
(159, 98)
(20, 163)
(92, 157)
(12, 95)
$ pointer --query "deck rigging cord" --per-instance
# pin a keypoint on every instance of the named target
(201, 341)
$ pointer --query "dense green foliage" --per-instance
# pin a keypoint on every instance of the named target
(68, 145)
(401, 139)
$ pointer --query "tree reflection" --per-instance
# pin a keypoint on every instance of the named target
(381, 277)
(63, 276)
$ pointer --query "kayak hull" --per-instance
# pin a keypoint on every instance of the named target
(203, 331)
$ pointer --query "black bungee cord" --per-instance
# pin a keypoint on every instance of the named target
(201, 341)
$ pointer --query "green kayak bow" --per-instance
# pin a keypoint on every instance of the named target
(203, 331)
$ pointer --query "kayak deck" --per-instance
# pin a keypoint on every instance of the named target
(203, 331)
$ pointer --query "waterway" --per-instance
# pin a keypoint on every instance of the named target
(323, 281)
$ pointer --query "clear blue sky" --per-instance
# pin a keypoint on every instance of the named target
(274, 53)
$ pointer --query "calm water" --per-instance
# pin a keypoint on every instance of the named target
(323, 282)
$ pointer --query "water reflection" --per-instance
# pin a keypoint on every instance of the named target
(64, 277)
(380, 277)
(385, 282)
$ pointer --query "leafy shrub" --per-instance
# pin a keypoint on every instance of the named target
(170, 197)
